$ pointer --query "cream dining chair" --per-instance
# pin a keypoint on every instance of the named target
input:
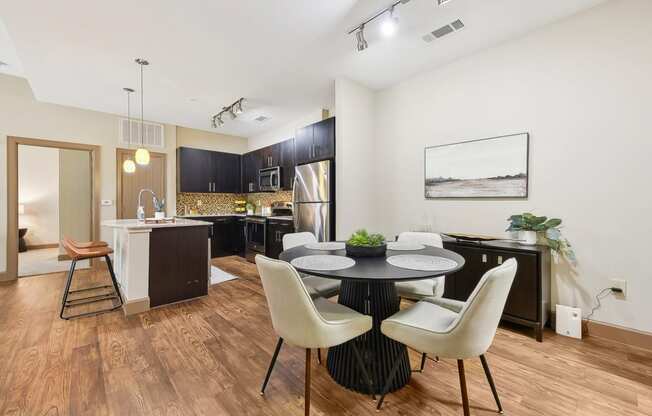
(454, 329)
(419, 289)
(317, 286)
(304, 322)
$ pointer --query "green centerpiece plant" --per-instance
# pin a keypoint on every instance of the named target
(363, 244)
(530, 227)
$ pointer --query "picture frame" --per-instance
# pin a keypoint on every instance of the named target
(490, 168)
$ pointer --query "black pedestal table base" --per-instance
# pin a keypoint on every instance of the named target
(380, 300)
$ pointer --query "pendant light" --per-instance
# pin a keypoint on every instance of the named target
(129, 166)
(142, 154)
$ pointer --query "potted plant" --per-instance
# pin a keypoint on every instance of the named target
(530, 227)
(159, 208)
(363, 244)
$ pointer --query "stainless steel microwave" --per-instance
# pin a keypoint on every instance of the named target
(269, 179)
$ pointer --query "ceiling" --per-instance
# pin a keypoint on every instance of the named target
(281, 55)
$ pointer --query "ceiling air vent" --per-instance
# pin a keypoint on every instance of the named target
(457, 25)
(129, 132)
(442, 31)
(261, 119)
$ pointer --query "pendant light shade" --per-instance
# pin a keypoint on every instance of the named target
(128, 165)
(142, 154)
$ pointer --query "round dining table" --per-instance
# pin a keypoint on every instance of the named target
(369, 288)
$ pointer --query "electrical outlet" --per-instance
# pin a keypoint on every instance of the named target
(622, 285)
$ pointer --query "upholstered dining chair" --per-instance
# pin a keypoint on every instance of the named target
(317, 286)
(419, 289)
(304, 322)
(453, 329)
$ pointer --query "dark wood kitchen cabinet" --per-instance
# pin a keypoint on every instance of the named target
(226, 171)
(269, 156)
(287, 164)
(222, 236)
(275, 231)
(528, 302)
(251, 164)
(178, 264)
(238, 236)
(315, 142)
(207, 171)
(194, 170)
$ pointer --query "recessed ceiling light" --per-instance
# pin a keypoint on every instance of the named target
(442, 2)
(261, 119)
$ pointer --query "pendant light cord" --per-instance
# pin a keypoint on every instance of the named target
(142, 124)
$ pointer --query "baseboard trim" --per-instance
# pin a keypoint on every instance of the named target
(136, 306)
(617, 333)
(42, 246)
(4, 279)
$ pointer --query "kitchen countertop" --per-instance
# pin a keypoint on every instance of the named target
(135, 224)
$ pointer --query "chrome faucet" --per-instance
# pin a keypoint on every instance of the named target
(140, 212)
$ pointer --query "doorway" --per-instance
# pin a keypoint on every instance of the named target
(53, 190)
(152, 176)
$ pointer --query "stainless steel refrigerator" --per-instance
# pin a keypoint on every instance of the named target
(314, 199)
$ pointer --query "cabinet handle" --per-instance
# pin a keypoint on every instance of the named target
(209, 186)
(500, 259)
(484, 258)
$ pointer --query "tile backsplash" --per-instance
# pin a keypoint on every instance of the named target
(212, 203)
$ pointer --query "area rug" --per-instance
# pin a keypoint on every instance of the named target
(219, 276)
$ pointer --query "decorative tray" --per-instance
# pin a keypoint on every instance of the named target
(471, 237)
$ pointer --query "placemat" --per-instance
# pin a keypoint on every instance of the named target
(404, 246)
(421, 262)
(323, 262)
(327, 246)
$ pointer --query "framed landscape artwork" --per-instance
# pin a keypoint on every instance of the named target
(488, 168)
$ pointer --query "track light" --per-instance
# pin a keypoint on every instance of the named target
(388, 26)
(390, 23)
(362, 42)
(233, 110)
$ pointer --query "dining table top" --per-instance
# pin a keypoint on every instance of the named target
(375, 268)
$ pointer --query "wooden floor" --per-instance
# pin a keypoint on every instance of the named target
(208, 357)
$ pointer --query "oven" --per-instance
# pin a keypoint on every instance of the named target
(255, 234)
(269, 179)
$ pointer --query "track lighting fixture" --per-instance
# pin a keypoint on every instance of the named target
(233, 110)
(362, 42)
(388, 26)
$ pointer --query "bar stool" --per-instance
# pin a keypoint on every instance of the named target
(83, 251)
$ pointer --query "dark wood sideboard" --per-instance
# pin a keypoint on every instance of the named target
(529, 299)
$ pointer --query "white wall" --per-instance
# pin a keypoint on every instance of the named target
(354, 133)
(200, 139)
(582, 88)
(284, 132)
(21, 115)
(38, 190)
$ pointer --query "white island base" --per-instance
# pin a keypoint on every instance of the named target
(159, 264)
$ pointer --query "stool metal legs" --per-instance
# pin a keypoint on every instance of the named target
(114, 294)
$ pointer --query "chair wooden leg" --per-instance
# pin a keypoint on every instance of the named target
(423, 364)
(465, 395)
(271, 365)
(319, 356)
(490, 379)
(307, 384)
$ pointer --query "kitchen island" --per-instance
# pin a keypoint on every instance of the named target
(159, 264)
